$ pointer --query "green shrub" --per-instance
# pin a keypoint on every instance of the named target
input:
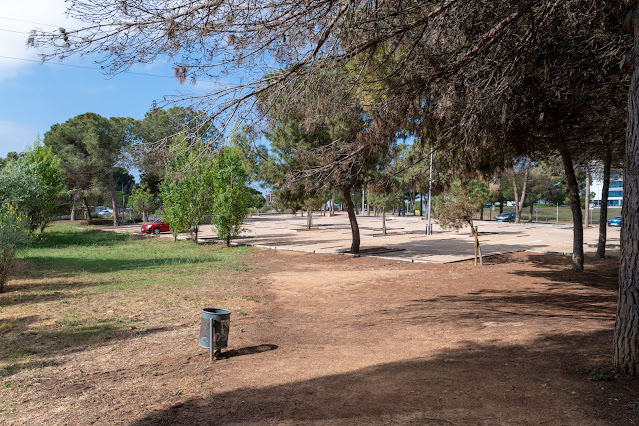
(15, 234)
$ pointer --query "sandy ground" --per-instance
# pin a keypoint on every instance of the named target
(406, 237)
(342, 340)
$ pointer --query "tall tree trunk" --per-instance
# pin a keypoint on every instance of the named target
(575, 208)
(195, 232)
(587, 197)
(114, 198)
(86, 208)
(519, 202)
(309, 218)
(603, 210)
(421, 204)
(145, 216)
(346, 192)
(626, 339)
(74, 200)
(332, 213)
(530, 213)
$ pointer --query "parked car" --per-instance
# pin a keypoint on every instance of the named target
(614, 221)
(103, 211)
(155, 227)
(506, 217)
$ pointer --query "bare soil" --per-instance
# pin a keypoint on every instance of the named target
(331, 339)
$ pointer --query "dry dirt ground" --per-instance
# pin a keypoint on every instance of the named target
(332, 340)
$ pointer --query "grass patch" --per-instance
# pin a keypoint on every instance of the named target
(79, 288)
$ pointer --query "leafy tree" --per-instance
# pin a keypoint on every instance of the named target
(150, 153)
(15, 234)
(187, 190)
(231, 194)
(257, 200)
(32, 184)
(89, 146)
(385, 197)
(456, 208)
(143, 201)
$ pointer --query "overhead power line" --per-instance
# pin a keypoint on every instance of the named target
(28, 22)
(14, 31)
(82, 66)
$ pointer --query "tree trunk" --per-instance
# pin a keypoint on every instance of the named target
(519, 203)
(195, 231)
(587, 197)
(309, 218)
(332, 213)
(603, 210)
(575, 208)
(384, 221)
(145, 216)
(86, 208)
(626, 339)
(72, 216)
(481, 213)
(530, 213)
(346, 192)
(114, 198)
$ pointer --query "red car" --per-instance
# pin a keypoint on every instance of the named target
(155, 227)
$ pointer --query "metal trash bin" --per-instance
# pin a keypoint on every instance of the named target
(214, 329)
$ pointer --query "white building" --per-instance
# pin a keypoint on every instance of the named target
(615, 191)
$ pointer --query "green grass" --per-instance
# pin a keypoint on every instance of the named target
(78, 289)
(549, 213)
(117, 262)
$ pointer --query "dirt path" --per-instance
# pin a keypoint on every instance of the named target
(340, 340)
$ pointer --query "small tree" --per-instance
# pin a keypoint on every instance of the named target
(187, 189)
(231, 195)
(15, 233)
(143, 201)
(456, 208)
(385, 197)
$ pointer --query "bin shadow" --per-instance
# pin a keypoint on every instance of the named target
(250, 350)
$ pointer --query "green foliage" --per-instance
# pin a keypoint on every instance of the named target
(257, 200)
(143, 201)
(187, 190)
(456, 208)
(15, 234)
(32, 184)
(385, 197)
(232, 196)
(599, 373)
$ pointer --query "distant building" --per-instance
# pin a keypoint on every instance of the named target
(270, 198)
(615, 191)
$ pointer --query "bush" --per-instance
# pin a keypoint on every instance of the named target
(15, 234)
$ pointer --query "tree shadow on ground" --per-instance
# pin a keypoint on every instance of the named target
(598, 273)
(53, 238)
(541, 382)
(58, 267)
(22, 347)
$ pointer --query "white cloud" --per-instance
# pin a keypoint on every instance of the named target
(40, 14)
(15, 137)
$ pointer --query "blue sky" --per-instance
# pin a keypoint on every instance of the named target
(34, 96)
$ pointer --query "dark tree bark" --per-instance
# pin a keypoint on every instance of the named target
(86, 208)
(530, 213)
(114, 198)
(575, 208)
(626, 339)
(603, 217)
(309, 218)
(346, 192)
(145, 216)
